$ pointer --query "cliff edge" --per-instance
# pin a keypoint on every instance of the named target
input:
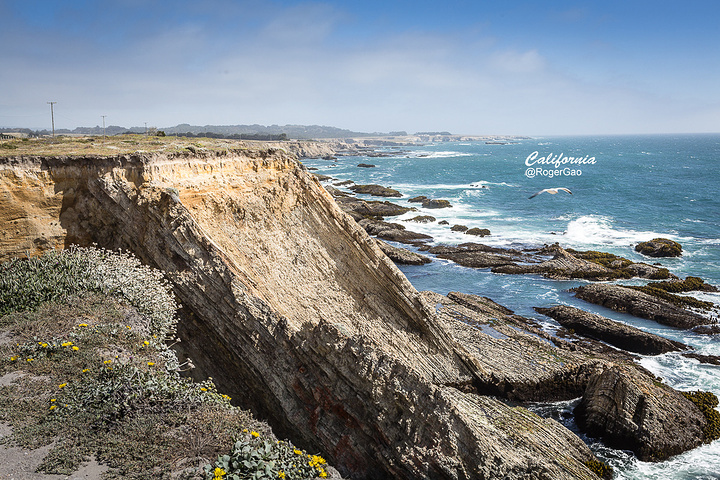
(293, 307)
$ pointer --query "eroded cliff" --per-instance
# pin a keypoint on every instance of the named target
(293, 308)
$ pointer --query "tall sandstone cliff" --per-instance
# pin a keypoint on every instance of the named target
(292, 308)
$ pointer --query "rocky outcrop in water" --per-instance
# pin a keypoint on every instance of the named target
(551, 261)
(376, 190)
(402, 256)
(615, 333)
(632, 410)
(477, 255)
(596, 266)
(478, 232)
(360, 209)
(640, 304)
(430, 202)
(393, 232)
(659, 247)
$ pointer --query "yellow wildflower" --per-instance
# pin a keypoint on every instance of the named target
(151, 363)
(83, 325)
(62, 385)
(85, 370)
(245, 430)
(13, 358)
(146, 343)
(281, 474)
(53, 399)
(66, 344)
(43, 344)
(219, 472)
(323, 474)
(203, 389)
(107, 361)
(226, 397)
(254, 434)
(75, 348)
(53, 407)
(297, 452)
(128, 327)
(30, 359)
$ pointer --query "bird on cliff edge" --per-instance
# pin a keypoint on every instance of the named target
(551, 191)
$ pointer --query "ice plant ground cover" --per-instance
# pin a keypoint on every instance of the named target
(83, 337)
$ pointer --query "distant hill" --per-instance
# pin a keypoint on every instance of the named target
(301, 132)
(292, 131)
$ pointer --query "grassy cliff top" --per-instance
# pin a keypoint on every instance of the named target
(86, 372)
(110, 146)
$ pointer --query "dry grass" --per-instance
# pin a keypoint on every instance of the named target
(115, 145)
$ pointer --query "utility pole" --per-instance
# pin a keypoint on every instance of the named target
(146, 132)
(52, 116)
(103, 124)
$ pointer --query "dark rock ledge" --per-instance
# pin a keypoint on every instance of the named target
(640, 304)
(615, 333)
(376, 190)
(402, 255)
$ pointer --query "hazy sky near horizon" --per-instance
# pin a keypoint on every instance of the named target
(472, 67)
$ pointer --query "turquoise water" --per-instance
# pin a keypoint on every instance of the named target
(630, 189)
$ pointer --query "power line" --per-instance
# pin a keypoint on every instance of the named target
(52, 116)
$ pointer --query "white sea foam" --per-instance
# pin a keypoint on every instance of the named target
(479, 185)
(599, 230)
(698, 464)
(444, 154)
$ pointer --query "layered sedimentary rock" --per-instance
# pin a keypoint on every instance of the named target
(640, 304)
(615, 333)
(632, 410)
(514, 359)
(293, 308)
(571, 264)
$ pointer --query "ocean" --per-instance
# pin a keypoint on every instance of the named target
(625, 189)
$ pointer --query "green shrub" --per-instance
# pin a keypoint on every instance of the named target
(54, 276)
(253, 457)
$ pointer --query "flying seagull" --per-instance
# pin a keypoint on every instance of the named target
(551, 191)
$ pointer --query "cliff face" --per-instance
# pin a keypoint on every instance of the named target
(293, 308)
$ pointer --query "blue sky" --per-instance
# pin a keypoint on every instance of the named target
(472, 67)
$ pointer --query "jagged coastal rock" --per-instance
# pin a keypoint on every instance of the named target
(640, 304)
(631, 410)
(659, 247)
(478, 232)
(588, 265)
(376, 190)
(393, 232)
(402, 255)
(430, 202)
(294, 310)
(615, 333)
(477, 255)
